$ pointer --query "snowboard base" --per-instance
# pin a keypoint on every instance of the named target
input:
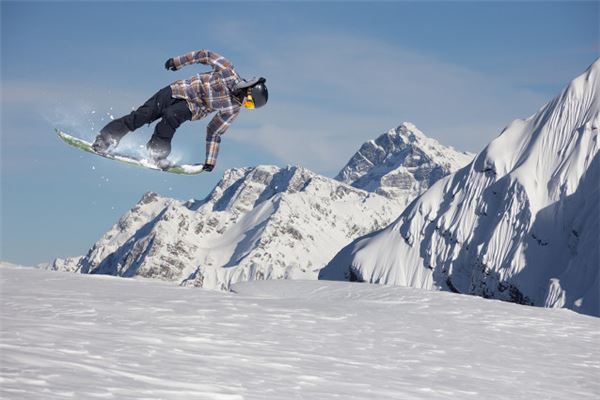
(183, 169)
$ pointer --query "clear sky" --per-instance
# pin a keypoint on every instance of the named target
(339, 74)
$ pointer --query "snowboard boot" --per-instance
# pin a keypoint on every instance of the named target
(104, 143)
(157, 155)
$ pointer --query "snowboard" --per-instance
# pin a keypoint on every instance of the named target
(184, 169)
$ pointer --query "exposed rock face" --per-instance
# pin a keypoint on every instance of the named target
(401, 164)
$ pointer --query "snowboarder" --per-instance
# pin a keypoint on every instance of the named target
(220, 90)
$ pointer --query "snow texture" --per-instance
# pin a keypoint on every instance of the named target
(520, 223)
(95, 337)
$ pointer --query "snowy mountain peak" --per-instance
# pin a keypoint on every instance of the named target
(409, 133)
(401, 163)
(520, 223)
(548, 147)
(264, 222)
(243, 188)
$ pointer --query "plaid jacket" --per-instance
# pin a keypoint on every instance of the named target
(209, 92)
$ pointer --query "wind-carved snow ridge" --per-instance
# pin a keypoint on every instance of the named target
(520, 223)
(401, 163)
(264, 222)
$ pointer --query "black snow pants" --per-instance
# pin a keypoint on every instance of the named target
(173, 112)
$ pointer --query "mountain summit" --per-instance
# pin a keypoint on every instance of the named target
(520, 223)
(401, 163)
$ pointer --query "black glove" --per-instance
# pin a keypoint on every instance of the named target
(207, 167)
(170, 64)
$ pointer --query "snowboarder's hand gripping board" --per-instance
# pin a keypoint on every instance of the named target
(184, 169)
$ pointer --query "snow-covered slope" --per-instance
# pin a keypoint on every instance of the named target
(258, 223)
(401, 164)
(91, 337)
(520, 223)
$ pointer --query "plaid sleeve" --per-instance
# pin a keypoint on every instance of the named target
(205, 57)
(216, 127)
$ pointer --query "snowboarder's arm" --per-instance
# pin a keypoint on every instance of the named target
(215, 128)
(205, 57)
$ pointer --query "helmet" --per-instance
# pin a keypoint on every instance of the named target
(255, 92)
(259, 93)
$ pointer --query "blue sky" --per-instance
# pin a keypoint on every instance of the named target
(339, 73)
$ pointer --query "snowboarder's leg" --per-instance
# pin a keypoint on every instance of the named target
(147, 113)
(159, 145)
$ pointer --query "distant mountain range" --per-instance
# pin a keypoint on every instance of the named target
(268, 222)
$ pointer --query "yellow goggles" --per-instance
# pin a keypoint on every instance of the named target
(249, 102)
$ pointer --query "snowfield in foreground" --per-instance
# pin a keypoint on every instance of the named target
(85, 337)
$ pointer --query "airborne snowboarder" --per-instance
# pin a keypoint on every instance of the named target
(220, 90)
